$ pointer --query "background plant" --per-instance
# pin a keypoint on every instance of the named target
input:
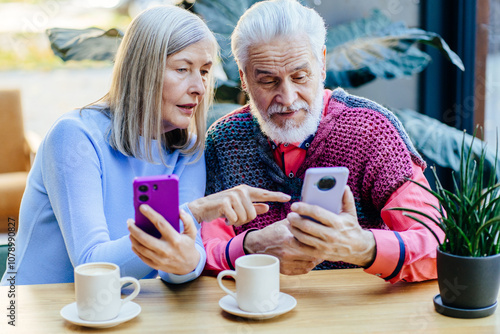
(469, 216)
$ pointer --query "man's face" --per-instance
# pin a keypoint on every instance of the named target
(285, 84)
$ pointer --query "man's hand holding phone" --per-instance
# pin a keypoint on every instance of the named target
(338, 237)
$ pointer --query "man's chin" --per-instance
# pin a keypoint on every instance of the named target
(284, 134)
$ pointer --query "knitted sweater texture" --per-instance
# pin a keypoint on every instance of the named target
(355, 133)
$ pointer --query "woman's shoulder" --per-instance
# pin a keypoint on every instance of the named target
(90, 122)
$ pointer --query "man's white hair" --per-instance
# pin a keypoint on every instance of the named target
(266, 20)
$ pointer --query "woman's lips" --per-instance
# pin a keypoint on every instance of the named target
(187, 108)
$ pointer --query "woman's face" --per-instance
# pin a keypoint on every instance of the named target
(184, 83)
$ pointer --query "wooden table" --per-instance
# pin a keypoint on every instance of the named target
(335, 301)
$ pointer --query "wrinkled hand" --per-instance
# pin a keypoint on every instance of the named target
(277, 240)
(238, 205)
(338, 237)
(175, 252)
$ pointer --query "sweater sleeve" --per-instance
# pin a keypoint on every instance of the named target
(73, 165)
(176, 279)
(72, 173)
(192, 182)
(407, 252)
(223, 247)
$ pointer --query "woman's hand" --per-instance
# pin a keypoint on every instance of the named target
(175, 252)
(238, 205)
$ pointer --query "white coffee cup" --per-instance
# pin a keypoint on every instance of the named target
(98, 291)
(257, 282)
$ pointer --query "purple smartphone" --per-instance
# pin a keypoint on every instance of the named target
(160, 192)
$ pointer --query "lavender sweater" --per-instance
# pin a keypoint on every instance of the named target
(79, 197)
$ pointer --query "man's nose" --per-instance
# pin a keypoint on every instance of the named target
(287, 94)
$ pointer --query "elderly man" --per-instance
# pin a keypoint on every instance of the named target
(291, 124)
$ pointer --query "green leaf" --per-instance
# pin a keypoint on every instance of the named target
(374, 47)
(84, 44)
(425, 225)
(489, 223)
(442, 143)
(434, 220)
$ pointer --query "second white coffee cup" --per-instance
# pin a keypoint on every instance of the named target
(257, 282)
(98, 291)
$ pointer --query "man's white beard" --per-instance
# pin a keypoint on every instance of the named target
(291, 132)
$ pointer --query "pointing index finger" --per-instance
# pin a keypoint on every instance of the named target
(263, 195)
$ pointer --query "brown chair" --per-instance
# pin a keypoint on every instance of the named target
(17, 151)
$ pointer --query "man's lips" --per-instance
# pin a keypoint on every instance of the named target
(288, 113)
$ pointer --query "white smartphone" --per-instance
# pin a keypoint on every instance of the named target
(324, 186)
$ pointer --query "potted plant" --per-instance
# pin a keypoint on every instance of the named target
(468, 258)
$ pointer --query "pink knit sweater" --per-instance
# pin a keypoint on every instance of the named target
(355, 133)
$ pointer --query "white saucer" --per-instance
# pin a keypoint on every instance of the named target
(129, 311)
(286, 303)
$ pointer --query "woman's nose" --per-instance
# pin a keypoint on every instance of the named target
(197, 86)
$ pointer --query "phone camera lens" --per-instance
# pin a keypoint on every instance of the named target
(143, 198)
(143, 188)
(326, 183)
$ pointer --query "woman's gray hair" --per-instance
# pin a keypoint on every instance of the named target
(267, 20)
(135, 96)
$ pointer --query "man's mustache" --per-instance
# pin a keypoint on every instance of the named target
(277, 108)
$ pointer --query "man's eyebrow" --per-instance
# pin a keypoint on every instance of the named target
(301, 67)
(297, 68)
(259, 72)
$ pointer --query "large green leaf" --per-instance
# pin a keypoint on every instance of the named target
(84, 44)
(374, 47)
(442, 143)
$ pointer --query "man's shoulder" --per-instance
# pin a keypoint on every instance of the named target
(356, 102)
(240, 117)
(360, 110)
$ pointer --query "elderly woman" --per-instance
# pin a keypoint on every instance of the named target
(151, 122)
